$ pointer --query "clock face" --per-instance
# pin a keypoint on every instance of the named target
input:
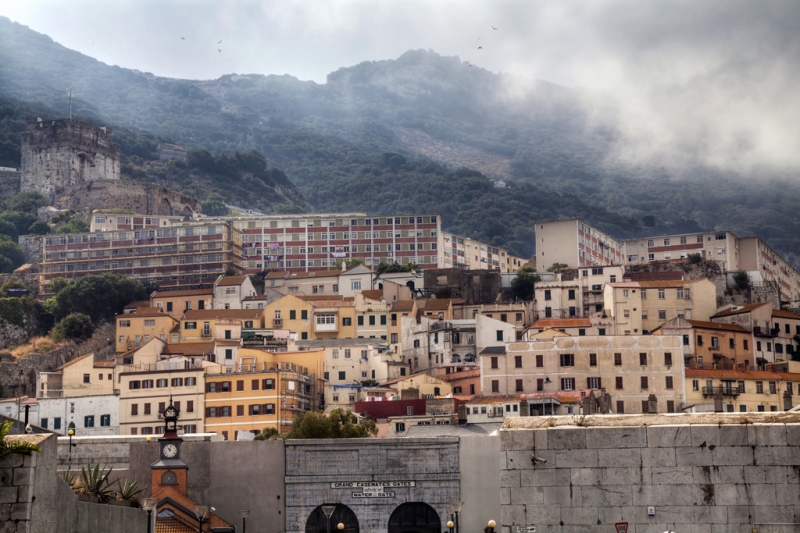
(170, 450)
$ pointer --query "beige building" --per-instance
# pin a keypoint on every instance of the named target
(763, 263)
(136, 329)
(230, 291)
(630, 369)
(576, 244)
(720, 246)
(83, 376)
(711, 345)
(739, 391)
(175, 302)
(773, 330)
(574, 292)
(639, 307)
(372, 315)
(468, 254)
(424, 386)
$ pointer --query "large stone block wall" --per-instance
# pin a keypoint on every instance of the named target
(9, 183)
(699, 478)
(313, 465)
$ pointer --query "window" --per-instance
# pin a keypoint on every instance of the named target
(355, 284)
(548, 312)
(190, 406)
(618, 382)
(593, 383)
(190, 325)
(669, 382)
(161, 383)
(495, 363)
(567, 383)
(592, 359)
(624, 293)
(759, 387)
(86, 378)
(88, 421)
(662, 314)
(567, 359)
(617, 359)
(643, 359)
(662, 294)
(240, 385)
(43, 423)
(772, 387)
(547, 294)
(147, 383)
(571, 294)
(667, 359)
(644, 294)
(134, 409)
(539, 361)
(229, 353)
(147, 408)
(495, 385)
(499, 335)
(519, 385)
(124, 323)
(347, 353)
(342, 375)
(644, 383)
(517, 361)
(715, 342)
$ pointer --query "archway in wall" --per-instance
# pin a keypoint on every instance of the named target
(415, 517)
(165, 208)
(318, 523)
(410, 285)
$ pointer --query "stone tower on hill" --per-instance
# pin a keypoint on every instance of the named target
(59, 156)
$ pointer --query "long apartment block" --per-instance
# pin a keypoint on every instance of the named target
(469, 254)
(163, 250)
(575, 243)
(172, 251)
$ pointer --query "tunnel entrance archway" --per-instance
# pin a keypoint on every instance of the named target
(415, 517)
(318, 523)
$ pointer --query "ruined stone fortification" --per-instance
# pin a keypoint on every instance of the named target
(139, 197)
(60, 155)
(9, 183)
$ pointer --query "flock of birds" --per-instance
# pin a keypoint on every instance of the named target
(219, 43)
(481, 47)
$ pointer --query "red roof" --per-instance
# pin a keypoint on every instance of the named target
(227, 281)
(784, 314)
(731, 374)
(741, 310)
(717, 326)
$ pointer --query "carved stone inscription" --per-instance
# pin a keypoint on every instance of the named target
(329, 461)
(416, 459)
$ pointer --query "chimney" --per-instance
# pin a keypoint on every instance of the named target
(524, 408)
(787, 400)
(771, 367)
(462, 414)
(652, 404)
(718, 403)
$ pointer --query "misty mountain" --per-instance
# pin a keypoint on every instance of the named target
(535, 136)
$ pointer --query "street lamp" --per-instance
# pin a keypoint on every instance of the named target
(547, 381)
(340, 527)
(243, 513)
(70, 432)
(328, 510)
(492, 524)
(200, 511)
(149, 504)
(454, 508)
(450, 525)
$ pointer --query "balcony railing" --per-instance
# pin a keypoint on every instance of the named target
(758, 331)
(722, 390)
(277, 322)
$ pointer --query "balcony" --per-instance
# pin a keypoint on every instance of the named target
(758, 331)
(277, 322)
(722, 390)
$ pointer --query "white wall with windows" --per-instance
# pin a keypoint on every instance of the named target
(92, 415)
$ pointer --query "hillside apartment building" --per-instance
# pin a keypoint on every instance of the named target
(469, 254)
(576, 244)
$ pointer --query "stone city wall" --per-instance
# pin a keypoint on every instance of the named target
(706, 478)
(139, 197)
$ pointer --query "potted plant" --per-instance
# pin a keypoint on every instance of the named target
(94, 485)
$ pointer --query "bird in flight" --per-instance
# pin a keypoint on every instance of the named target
(183, 38)
(480, 48)
(220, 41)
(495, 29)
(218, 50)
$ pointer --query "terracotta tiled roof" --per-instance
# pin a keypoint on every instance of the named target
(222, 314)
(666, 283)
(731, 374)
(403, 305)
(228, 281)
(742, 310)
(183, 292)
(789, 376)
(562, 323)
(189, 348)
(717, 325)
(319, 298)
(149, 312)
(435, 304)
(373, 295)
(784, 314)
(138, 304)
(173, 525)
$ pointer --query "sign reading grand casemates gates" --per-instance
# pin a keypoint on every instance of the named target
(373, 489)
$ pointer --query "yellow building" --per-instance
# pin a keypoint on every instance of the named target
(263, 390)
(223, 327)
(739, 391)
(427, 386)
(176, 302)
(711, 345)
(313, 317)
(639, 307)
(136, 329)
(372, 314)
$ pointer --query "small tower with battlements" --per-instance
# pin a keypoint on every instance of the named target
(60, 155)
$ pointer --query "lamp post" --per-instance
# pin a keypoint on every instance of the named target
(70, 432)
(149, 505)
(340, 526)
(328, 510)
(200, 511)
(454, 508)
(492, 524)
(547, 381)
(243, 513)
(450, 524)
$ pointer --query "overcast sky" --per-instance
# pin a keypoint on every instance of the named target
(718, 80)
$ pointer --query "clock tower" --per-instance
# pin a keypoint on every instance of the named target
(170, 470)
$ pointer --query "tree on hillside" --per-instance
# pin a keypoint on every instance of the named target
(522, 286)
(11, 256)
(26, 202)
(76, 326)
(338, 424)
(98, 297)
(39, 228)
(76, 225)
(214, 206)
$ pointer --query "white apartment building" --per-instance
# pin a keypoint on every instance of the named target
(763, 263)
(573, 293)
(721, 246)
(469, 254)
(576, 244)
